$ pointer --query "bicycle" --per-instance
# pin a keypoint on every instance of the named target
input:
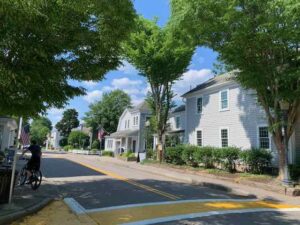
(35, 180)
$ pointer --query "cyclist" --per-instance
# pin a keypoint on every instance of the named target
(35, 160)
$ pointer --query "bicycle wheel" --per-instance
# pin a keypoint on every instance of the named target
(36, 179)
(22, 177)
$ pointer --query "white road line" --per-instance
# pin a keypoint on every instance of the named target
(166, 203)
(75, 206)
(206, 214)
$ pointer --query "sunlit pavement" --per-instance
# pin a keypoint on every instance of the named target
(108, 194)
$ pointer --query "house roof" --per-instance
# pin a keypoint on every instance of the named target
(142, 107)
(180, 108)
(223, 78)
(124, 133)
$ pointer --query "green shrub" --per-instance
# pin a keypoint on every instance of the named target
(295, 172)
(128, 153)
(188, 154)
(68, 147)
(150, 154)
(227, 157)
(204, 155)
(174, 154)
(256, 160)
(107, 153)
(96, 144)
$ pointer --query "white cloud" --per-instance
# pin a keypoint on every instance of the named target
(190, 79)
(92, 96)
(127, 68)
(90, 84)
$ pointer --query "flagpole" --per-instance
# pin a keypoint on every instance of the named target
(14, 163)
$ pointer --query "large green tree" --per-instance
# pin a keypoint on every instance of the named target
(43, 44)
(78, 139)
(162, 57)
(107, 111)
(40, 128)
(261, 39)
(68, 122)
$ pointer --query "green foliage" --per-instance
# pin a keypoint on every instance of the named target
(256, 160)
(44, 44)
(128, 153)
(204, 155)
(228, 157)
(68, 147)
(96, 144)
(295, 172)
(68, 122)
(150, 154)
(107, 111)
(40, 128)
(78, 139)
(260, 39)
(188, 154)
(107, 153)
(174, 154)
(162, 58)
(63, 142)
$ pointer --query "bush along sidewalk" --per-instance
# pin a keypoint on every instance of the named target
(231, 159)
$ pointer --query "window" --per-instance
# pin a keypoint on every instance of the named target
(199, 105)
(135, 120)
(177, 122)
(109, 144)
(264, 140)
(224, 138)
(199, 137)
(224, 100)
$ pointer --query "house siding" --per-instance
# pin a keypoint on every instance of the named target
(242, 119)
(172, 121)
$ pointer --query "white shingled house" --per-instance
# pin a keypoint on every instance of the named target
(8, 132)
(219, 112)
(130, 132)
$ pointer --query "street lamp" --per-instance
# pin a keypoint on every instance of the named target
(284, 106)
(147, 125)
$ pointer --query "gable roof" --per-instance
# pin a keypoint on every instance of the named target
(223, 78)
(180, 108)
(142, 107)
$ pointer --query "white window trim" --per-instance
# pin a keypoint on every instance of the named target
(201, 137)
(220, 135)
(258, 138)
(199, 113)
(220, 100)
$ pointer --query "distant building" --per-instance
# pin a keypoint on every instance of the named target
(55, 138)
(131, 130)
(8, 132)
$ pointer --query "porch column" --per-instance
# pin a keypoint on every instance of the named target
(126, 143)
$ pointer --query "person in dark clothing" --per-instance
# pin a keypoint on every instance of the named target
(35, 160)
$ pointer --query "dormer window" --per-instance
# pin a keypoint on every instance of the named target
(135, 120)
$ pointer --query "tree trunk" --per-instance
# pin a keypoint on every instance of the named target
(281, 155)
(160, 147)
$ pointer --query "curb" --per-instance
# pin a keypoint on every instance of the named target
(24, 212)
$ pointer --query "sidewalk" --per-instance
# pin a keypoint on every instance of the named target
(254, 189)
(26, 201)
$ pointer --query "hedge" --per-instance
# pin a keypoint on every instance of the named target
(254, 160)
(107, 153)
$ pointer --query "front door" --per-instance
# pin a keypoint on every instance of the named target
(134, 145)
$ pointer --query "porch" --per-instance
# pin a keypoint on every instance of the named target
(125, 141)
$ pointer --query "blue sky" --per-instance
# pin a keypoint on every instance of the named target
(126, 77)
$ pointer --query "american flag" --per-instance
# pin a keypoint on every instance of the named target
(25, 140)
(101, 133)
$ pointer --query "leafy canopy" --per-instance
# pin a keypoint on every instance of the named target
(78, 139)
(68, 122)
(39, 129)
(107, 111)
(43, 44)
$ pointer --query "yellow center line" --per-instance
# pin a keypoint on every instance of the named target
(127, 180)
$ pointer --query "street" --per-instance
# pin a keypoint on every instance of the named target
(111, 193)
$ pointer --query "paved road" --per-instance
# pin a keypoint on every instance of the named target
(113, 194)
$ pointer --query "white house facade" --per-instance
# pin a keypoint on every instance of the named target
(221, 113)
(8, 132)
(131, 131)
(55, 138)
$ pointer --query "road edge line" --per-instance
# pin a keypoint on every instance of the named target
(75, 206)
